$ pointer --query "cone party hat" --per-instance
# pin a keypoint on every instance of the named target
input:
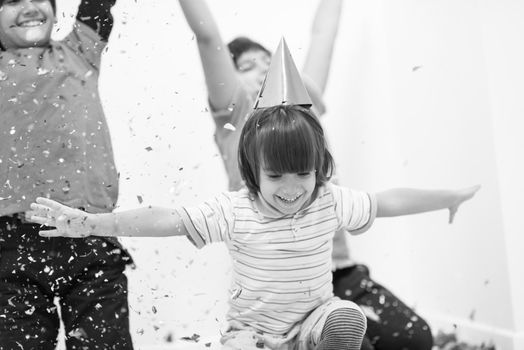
(283, 84)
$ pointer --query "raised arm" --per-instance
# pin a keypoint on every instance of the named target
(69, 222)
(219, 71)
(323, 34)
(407, 201)
(97, 15)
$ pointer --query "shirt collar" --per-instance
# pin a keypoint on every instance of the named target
(266, 210)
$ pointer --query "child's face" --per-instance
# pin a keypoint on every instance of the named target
(289, 192)
(25, 23)
(253, 66)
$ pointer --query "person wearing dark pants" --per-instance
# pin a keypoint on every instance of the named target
(87, 277)
(54, 142)
(391, 324)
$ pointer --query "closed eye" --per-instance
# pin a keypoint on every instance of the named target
(304, 174)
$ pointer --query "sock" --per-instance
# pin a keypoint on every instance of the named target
(343, 330)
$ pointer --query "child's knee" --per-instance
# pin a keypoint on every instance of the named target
(345, 327)
(347, 319)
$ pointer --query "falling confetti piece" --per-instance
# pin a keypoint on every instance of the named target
(195, 338)
(236, 293)
(42, 71)
(30, 311)
(78, 333)
(472, 314)
(140, 199)
(169, 338)
(229, 126)
(149, 148)
(10, 302)
(370, 313)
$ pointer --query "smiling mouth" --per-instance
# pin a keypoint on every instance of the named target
(31, 23)
(289, 200)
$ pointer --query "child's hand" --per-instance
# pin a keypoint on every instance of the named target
(461, 196)
(68, 222)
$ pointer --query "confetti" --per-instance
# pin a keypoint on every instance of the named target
(78, 333)
(42, 71)
(370, 313)
(169, 338)
(229, 126)
(30, 311)
(235, 293)
(472, 314)
(195, 338)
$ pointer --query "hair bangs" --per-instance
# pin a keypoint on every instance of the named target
(289, 146)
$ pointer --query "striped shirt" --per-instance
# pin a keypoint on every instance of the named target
(281, 263)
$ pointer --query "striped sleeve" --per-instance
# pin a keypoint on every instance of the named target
(355, 210)
(209, 222)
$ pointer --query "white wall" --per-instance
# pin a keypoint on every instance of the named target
(501, 26)
(422, 93)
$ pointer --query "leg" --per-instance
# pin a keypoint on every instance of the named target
(343, 330)
(336, 324)
(94, 307)
(28, 316)
(392, 325)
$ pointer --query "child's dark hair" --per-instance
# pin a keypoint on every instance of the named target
(284, 139)
(242, 44)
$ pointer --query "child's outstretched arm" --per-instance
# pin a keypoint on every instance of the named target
(70, 222)
(323, 34)
(219, 71)
(97, 15)
(406, 201)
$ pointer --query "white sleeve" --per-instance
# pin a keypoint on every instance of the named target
(356, 210)
(209, 222)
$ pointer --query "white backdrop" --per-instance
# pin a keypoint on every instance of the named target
(423, 93)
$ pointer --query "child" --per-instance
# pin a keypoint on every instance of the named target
(279, 230)
(232, 87)
(54, 142)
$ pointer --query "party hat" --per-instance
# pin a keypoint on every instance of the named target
(282, 85)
